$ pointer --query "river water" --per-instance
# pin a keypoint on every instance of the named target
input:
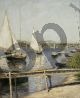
(33, 62)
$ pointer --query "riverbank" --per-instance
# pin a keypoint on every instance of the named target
(72, 91)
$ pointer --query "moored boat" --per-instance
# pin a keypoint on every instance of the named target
(9, 43)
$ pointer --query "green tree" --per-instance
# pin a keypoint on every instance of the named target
(74, 61)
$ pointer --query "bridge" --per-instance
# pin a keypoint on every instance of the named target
(38, 72)
(46, 73)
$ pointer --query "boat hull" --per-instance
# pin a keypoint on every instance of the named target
(16, 55)
(78, 50)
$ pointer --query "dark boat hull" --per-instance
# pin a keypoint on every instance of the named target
(54, 56)
(16, 55)
(16, 58)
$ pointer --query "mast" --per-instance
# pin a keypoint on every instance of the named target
(20, 22)
(79, 25)
(9, 29)
(11, 34)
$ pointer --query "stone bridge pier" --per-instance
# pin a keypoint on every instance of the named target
(38, 83)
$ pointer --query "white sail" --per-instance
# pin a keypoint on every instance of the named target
(7, 40)
(35, 45)
(15, 43)
(5, 37)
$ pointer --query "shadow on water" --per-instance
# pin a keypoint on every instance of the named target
(19, 84)
(68, 84)
(76, 82)
(60, 65)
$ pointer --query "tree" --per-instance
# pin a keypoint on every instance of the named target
(74, 61)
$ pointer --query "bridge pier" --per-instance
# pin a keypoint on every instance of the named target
(38, 83)
(10, 85)
(48, 82)
(16, 94)
(49, 77)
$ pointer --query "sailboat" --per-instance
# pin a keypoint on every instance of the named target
(54, 54)
(8, 42)
(35, 45)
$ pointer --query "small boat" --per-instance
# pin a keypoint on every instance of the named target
(62, 52)
(67, 55)
(54, 54)
(73, 51)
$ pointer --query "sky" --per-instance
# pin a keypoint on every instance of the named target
(24, 15)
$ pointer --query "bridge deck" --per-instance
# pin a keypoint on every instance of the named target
(38, 73)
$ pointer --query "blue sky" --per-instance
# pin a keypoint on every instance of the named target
(37, 13)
